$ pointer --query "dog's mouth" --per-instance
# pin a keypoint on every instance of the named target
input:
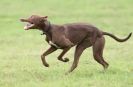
(29, 26)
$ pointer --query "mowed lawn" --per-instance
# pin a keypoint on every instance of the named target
(20, 50)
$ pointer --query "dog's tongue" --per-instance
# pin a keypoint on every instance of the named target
(25, 27)
(28, 26)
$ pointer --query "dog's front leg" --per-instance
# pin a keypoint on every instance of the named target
(78, 52)
(50, 50)
(60, 57)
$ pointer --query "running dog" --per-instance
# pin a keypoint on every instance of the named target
(65, 36)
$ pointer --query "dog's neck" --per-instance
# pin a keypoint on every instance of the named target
(47, 31)
(47, 28)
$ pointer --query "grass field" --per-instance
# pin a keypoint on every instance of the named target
(20, 63)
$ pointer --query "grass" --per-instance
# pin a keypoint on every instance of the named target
(20, 63)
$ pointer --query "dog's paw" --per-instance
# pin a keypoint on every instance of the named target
(66, 59)
(46, 65)
(63, 59)
(66, 73)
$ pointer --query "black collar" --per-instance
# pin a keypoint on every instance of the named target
(47, 28)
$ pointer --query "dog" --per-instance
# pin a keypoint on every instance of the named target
(81, 35)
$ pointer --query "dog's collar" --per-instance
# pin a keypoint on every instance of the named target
(48, 27)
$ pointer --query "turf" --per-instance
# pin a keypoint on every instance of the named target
(20, 50)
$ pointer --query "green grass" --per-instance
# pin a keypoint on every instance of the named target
(20, 63)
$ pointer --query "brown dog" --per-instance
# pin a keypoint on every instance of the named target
(68, 35)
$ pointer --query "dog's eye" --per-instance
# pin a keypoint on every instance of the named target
(31, 22)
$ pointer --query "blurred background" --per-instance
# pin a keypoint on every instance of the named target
(20, 50)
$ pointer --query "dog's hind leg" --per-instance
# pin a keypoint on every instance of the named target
(60, 57)
(50, 50)
(98, 52)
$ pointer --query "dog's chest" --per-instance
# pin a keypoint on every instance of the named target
(53, 44)
(50, 42)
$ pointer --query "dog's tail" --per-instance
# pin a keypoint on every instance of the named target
(116, 38)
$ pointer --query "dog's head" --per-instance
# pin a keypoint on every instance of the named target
(34, 22)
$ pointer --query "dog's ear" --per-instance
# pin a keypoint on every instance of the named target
(45, 17)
